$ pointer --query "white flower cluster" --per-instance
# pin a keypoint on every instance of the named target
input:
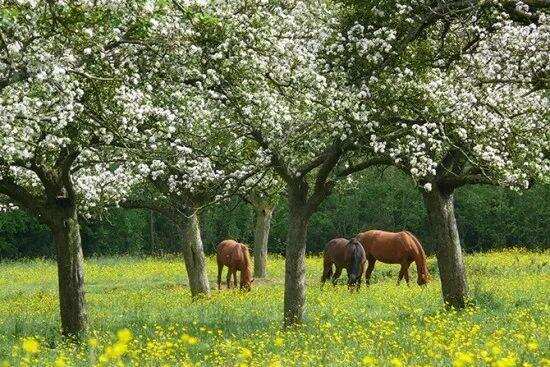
(490, 104)
(205, 100)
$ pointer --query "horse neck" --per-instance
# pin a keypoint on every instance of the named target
(246, 272)
(420, 259)
(420, 255)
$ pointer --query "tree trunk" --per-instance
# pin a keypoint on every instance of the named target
(444, 231)
(261, 239)
(295, 267)
(70, 272)
(193, 254)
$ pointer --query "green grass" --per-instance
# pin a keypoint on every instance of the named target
(507, 324)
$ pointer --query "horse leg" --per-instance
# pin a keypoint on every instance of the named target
(370, 268)
(336, 275)
(401, 273)
(406, 272)
(220, 270)
(235, 278)
(359, 280)
(327, 273)
(228, 279)
(352, 285)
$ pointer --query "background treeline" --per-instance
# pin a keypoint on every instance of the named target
(488, 218)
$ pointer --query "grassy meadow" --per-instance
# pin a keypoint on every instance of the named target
(140, 313)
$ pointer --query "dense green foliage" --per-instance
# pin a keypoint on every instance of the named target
(488, 217)
(508, 323)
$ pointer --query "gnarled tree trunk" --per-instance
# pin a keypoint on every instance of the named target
(261, 239)
(70, 270)
(440, 206)
(295, 266)
(193, 254)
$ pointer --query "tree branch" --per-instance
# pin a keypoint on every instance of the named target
(364, 165)
(24, 199)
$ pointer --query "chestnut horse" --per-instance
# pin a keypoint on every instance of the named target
(394, 248)
(235, 256)
(344, 254)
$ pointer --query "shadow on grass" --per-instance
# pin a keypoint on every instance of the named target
(485, 299)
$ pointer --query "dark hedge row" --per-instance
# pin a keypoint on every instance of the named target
(488, 218)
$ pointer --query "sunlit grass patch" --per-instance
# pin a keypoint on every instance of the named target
(140, 313)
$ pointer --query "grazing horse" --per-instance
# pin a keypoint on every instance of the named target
(344, 254)
(394, 248)
(235, 256)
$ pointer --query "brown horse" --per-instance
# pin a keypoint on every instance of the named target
(344, 254)
(394, 248)
(235, 256)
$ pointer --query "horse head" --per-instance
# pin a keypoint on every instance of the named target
(356, 255)
(247, 280)
(423, 279)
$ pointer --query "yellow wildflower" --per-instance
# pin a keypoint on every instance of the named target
(188, 339)
(396, 362)
(124, 335)
(463, 359)
(533, 346)
(279, 341)
(31, 345)
(115, 351)
(369, 361)
(505, 362)
(246, 353)
(60, 362)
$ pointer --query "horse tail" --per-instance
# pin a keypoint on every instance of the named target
(420, 260)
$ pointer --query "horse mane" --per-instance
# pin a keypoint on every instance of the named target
(420, 258)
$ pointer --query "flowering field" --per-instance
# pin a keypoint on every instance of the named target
(140, 313)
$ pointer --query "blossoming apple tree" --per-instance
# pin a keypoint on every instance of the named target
(263, 65)
(187, 155)
(61, 64)
(470, 106)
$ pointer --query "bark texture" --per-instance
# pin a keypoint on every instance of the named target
(261, 239)
(70, 270)
(444, 231)
(295, 267)
(193, 254)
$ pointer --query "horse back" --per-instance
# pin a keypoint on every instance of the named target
(388, 247)
(228, 252)
(335, 251)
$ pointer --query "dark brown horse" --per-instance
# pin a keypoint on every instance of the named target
(235, 256)
(344, 254)
(394, 248)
